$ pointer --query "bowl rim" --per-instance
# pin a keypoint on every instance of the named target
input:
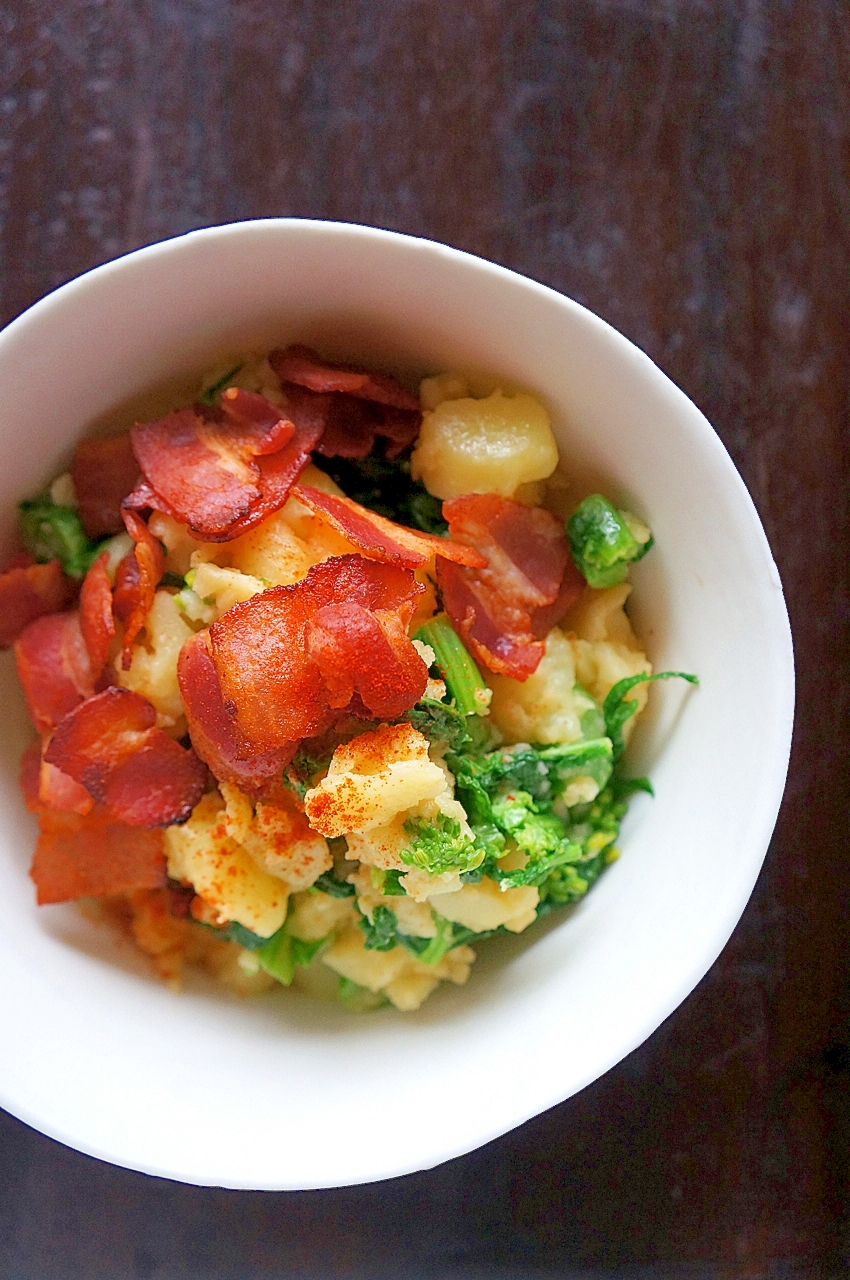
(765, 811)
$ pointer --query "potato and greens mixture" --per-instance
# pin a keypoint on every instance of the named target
(326, 693)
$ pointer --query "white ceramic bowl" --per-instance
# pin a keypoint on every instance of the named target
(282, 1093)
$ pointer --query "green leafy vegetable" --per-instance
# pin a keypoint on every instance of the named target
(462, 677)
(617, 708)
(359, 999)
(386, 487)
(381, 931)
(52, 532)
(439, 845)
(604, 541)
(303, 768)
(328, 883)
(282, 953)
(441, 722)
(210, 394)
(594, 828)
(388, 883)
(234, 932)
(544, 772)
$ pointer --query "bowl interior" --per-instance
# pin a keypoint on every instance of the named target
(282, 1092)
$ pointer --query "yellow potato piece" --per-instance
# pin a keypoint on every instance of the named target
(484, 906)
(201, 853)
(371, 779)
(492, 445)
(546, 706)
(153, 667)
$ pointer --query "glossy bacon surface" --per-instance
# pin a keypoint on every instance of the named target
(504, 611)
(54, 668)
(93, 855)
(366, 653)
(305, 367)
(27, 592)
(135, 582)
(349, 421)
(382, 539)
(211, 728)
(111, 746)
(274, 688)
(96, 620)
(221, 473)
(104, 472)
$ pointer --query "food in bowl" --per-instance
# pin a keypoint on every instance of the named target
(326, 691)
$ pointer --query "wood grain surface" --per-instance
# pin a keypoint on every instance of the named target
(681, 167)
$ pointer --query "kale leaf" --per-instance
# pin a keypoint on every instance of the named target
(386, 486)
(52, 532)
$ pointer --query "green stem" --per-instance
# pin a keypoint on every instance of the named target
(462, 677)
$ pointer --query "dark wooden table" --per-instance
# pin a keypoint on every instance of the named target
(680, 166)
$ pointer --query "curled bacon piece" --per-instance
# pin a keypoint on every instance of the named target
(279, 686)
(382, 539)
(221, 473)
(104, 472)
(111, 746)
(92, 855)
(57, 791)
(96, 621)
(29, 591)
(54, 668)
(211, 728)
(135, 582)
(366, 653)
(306, 368)
(350, 420)
(504, 610)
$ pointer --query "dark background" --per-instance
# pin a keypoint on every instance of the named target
(681, 167)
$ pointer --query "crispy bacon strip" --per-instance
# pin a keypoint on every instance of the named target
(56, 790)
(504, 611)
(303, 366)
(211, 728)
(92, 855)
(221, 471)
(29, 776)
(111, 746)
(365, 653)
(382, 539)
(29, 591)
(96, 620)
(135, 582)
(54, 668)
(350, 424)
(104, 472)
(275, 689)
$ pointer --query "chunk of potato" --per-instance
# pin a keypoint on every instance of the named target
(153, 667)
(371, 779)
(223, 588)
(272, 552)
(202, 854)
(546, 707)
(485, 906)
(605, 648)
(276, 835)
(405, 980)
(315, 915)
(492, 445)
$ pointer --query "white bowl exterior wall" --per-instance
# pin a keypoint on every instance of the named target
(281, 1093)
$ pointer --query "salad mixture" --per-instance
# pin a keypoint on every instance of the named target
(326, 694)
